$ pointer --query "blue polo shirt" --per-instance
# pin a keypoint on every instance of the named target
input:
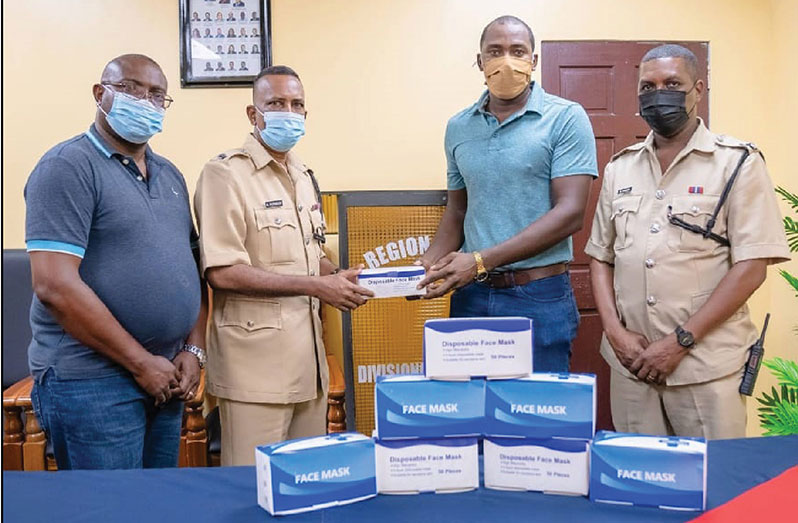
(507, 168)
(134, 236)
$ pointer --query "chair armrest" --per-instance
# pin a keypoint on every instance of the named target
(18, 394)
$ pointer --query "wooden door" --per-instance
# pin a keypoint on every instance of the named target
(602, 77)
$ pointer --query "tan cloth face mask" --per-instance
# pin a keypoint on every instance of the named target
(507, 77)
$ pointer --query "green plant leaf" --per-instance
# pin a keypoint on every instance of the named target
(790, 198)
(792, 280)
(782, 421)
(785, 371)
(791, 230)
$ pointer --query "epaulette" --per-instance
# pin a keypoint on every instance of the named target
(634, 147)
(725, 140)
(229, 154)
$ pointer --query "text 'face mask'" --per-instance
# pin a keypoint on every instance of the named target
(507, 76)
(665, 110)
(281, 130)
(134, 120)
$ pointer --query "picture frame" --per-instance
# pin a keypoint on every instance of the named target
(224, 43)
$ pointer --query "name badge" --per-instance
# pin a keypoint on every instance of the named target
(273, 203)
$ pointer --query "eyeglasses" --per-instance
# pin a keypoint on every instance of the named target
(136, 90)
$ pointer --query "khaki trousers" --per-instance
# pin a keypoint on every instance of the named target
(712, 410)
(248, 425)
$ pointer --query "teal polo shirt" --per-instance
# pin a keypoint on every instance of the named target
(507, 168)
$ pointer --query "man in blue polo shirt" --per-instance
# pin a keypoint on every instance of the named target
(519, 167)
(117, 317)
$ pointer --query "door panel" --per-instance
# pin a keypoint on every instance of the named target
(602, 77)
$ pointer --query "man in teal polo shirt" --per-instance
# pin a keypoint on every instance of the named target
(519, 167)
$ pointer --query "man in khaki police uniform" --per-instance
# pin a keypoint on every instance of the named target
(259, 213)
(673, 301)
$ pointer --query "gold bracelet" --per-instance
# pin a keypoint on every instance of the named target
(482, 272)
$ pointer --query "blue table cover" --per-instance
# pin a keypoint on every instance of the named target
(228, 494)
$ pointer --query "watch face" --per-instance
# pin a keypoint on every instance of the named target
(686, 339)
(482, 276)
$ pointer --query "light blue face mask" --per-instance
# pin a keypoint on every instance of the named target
(134, 120)
(281, 130)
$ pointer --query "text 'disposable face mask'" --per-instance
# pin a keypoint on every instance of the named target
(134, 120)
(281, 130)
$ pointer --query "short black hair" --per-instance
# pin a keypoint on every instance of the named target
(508, 19)
(276, 70)
(674, 51)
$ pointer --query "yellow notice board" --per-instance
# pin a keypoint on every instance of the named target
(385, 336)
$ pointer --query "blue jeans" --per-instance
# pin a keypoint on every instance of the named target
(106, 423)
(549, 302)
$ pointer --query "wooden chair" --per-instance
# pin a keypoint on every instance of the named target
(24, 441)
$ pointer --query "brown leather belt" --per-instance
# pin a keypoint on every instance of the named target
(507, 279)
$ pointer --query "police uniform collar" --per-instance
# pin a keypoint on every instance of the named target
(533, 104)
(261, 157)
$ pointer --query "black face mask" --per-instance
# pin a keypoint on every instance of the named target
(664, 110)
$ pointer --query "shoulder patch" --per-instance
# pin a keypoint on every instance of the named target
(229, 154)
(729, 141)
(634, 147)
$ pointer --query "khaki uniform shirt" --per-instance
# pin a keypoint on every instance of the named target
(663, 273)
(251, 212)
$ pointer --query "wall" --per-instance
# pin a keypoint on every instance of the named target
(382, 78)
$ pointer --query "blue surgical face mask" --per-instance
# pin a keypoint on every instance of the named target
(281, 130)
(134, 120)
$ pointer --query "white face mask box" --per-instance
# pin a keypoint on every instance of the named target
(314, 473)
(542, 406)
(655, 471)
(556, 466)
(427, 465)
(460, 348)
(414, 407)
(392, 282)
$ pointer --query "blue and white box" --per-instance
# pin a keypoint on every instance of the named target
(654, 471)
(555, 466)
(442, 466)
(542, 406)
(461, 348)
(314, 473)
(415, 407)
(391, 282)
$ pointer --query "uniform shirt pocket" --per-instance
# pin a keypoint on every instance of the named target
(624, 211)
(278, 233)
(251, 314)
(696, 210)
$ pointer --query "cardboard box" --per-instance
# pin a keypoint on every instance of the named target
(460, 348)
(427, 465)
(391, 282)
(551, 466)
(542, 406)
(654, 471)
(414, 407)
(313, 473)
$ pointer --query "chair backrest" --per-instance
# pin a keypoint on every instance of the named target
(17, 295)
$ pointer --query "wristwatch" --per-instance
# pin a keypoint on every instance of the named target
(482, 272)
(202, 358)
(685, 338)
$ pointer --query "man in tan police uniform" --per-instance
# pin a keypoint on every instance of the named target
(671, 300)
(261, 229)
